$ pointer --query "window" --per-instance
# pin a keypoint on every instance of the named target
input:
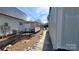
(20, 23)
(5, 24)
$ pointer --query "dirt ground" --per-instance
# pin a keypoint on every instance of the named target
(27, 43)
(40, 44)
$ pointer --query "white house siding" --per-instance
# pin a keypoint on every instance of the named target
(28, 26)
(12, 22)
(32, 25)
(36, 26)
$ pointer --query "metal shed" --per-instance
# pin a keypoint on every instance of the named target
(64, 27)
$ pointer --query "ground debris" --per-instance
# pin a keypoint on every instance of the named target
(27, 44)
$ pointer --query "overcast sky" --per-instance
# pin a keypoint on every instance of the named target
(35, 13)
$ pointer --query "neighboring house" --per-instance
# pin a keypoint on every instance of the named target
(11, 20)
(36, 26)
(32, 26)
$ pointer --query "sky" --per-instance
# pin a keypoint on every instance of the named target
(36, 13)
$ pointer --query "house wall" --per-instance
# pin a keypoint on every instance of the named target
(27, 26)
(37, 27)
(12, 22)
